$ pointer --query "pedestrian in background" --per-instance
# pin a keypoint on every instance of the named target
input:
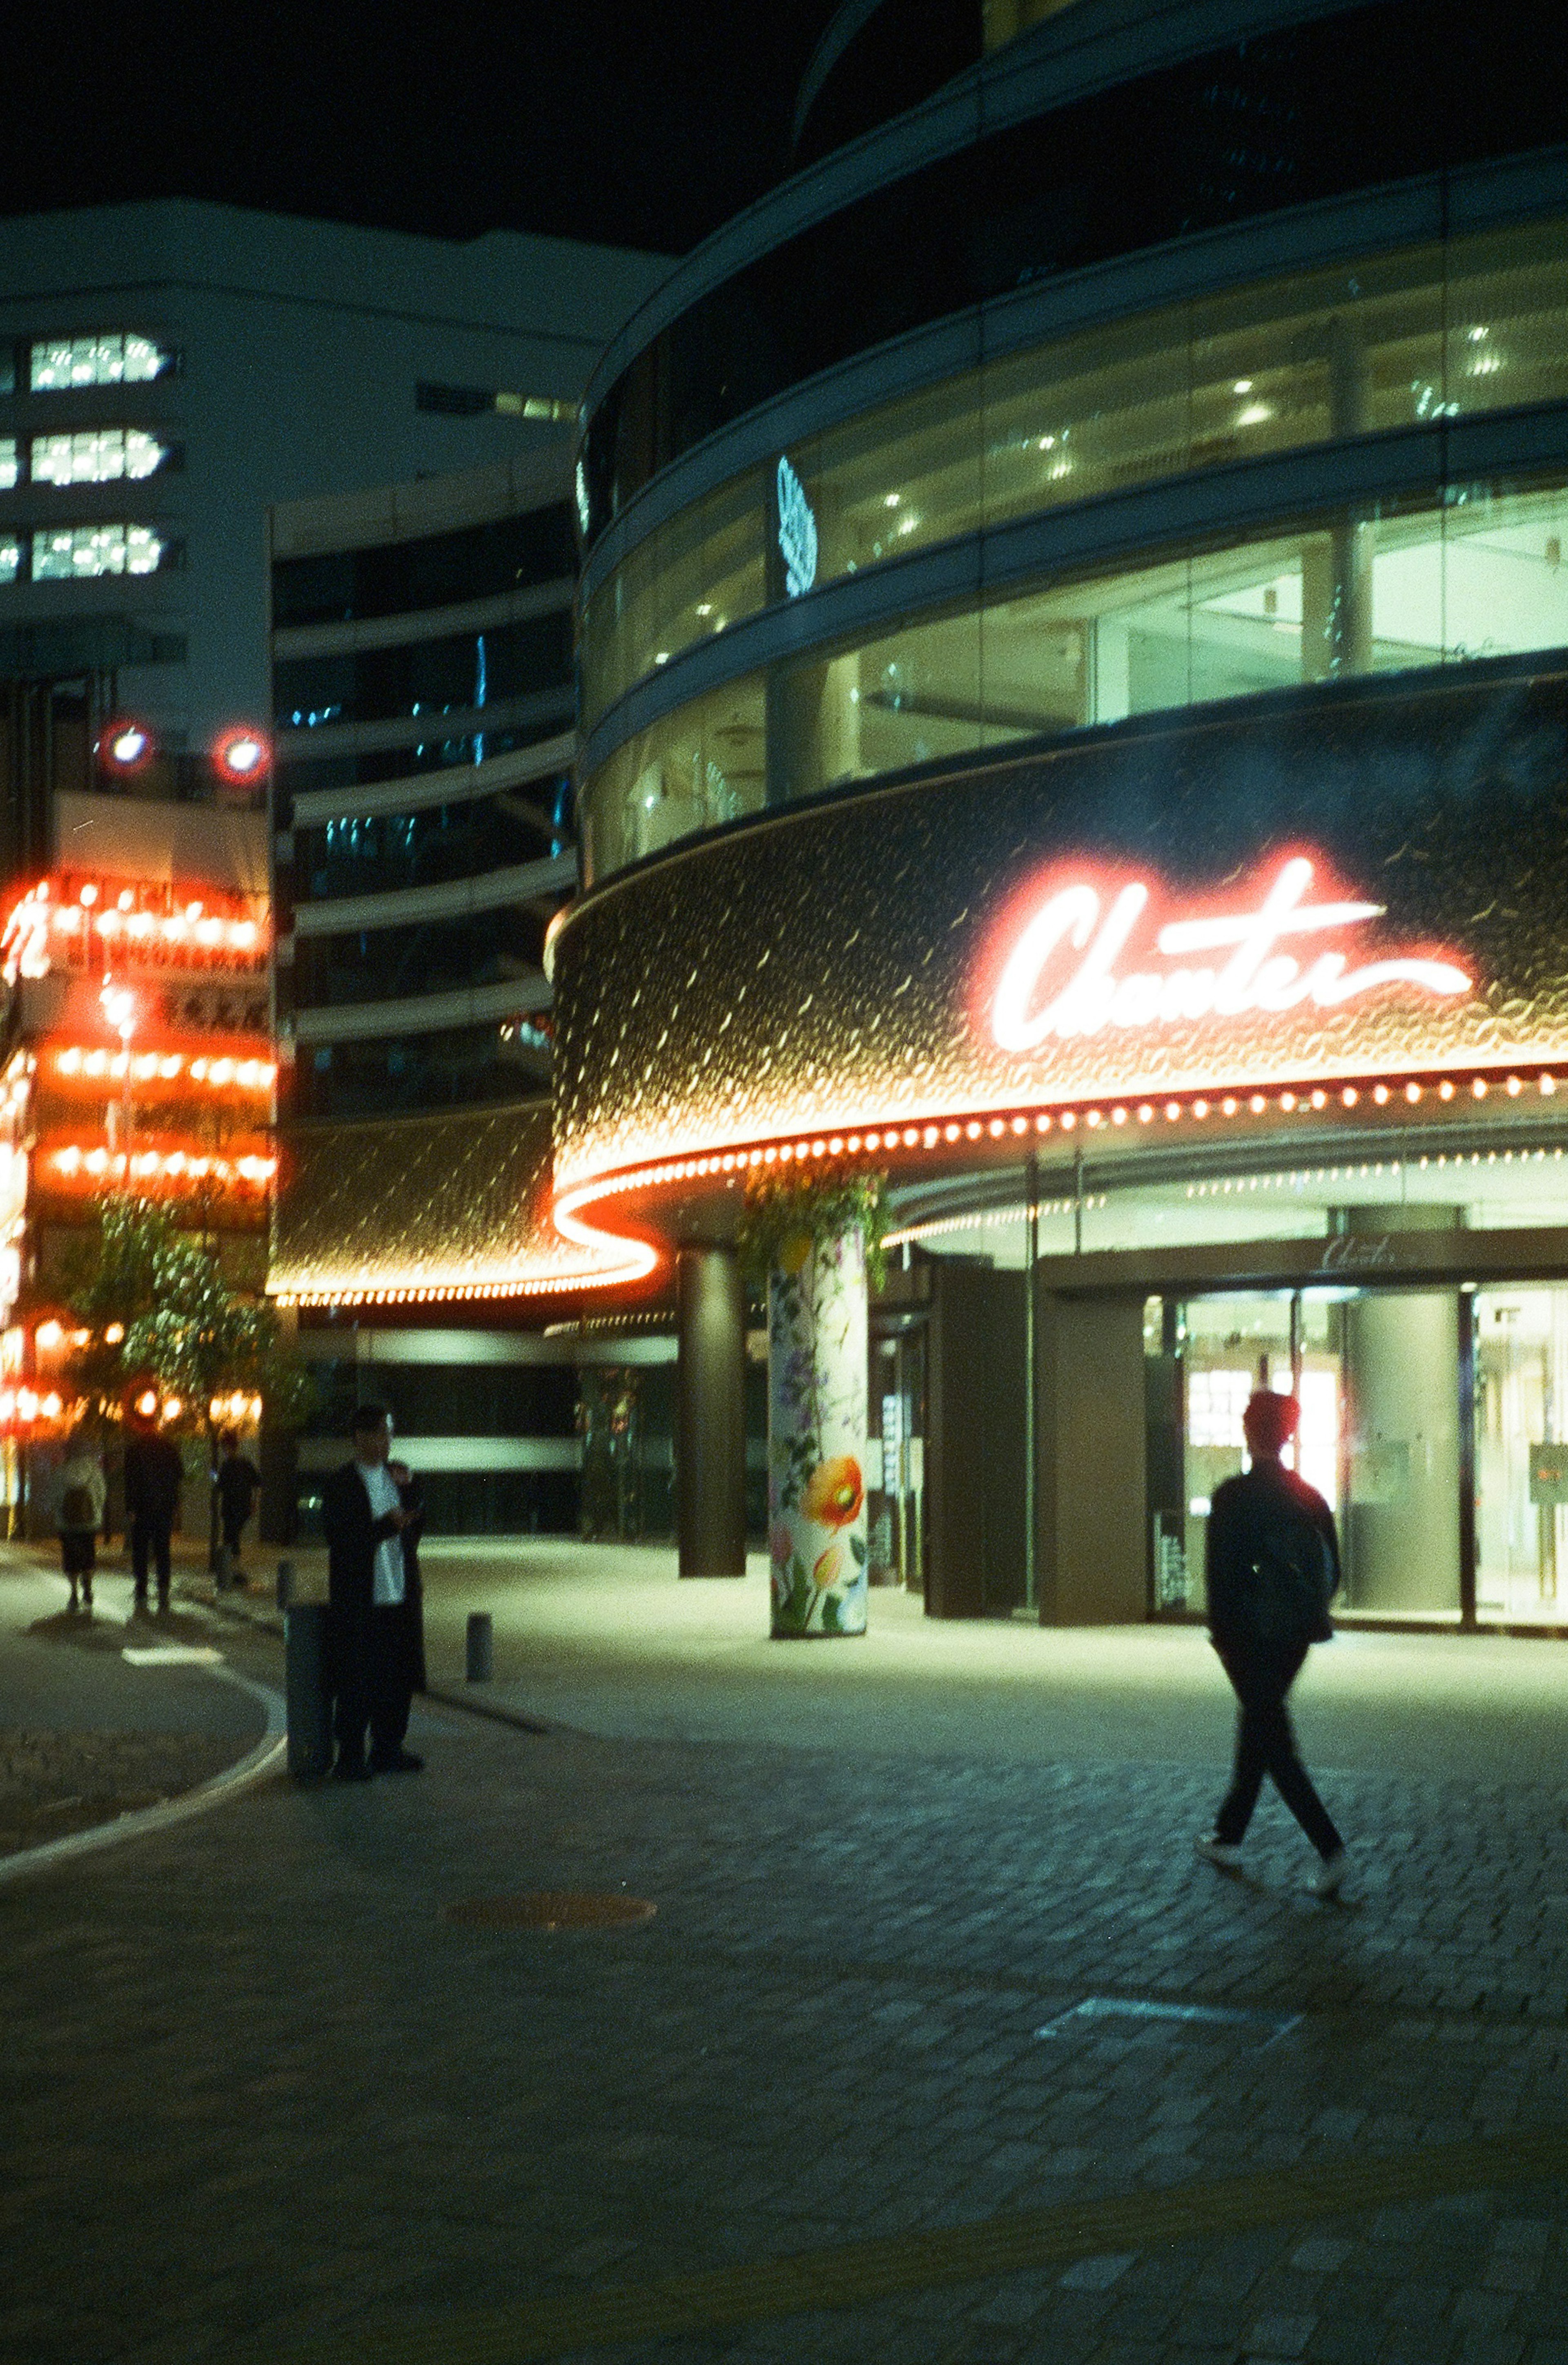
(153, 1476)
(1273, 1567)
(79, 1514)
(238, 1483)
(367, 1597)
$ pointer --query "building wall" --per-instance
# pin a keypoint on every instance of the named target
(300, 347)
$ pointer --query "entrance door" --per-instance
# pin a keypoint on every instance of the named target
(1377, 1374)
(1521, 1461)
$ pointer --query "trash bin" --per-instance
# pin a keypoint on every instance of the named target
(306, 1692)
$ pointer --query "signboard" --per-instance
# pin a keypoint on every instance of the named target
(797, 532)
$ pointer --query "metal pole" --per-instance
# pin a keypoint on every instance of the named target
(1031, 1258)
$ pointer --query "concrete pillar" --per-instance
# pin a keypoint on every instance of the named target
(818, 1345)
(710, 1416)
(1402, 1524)
(1092, 1554)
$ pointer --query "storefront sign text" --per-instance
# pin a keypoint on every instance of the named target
(1063, 976)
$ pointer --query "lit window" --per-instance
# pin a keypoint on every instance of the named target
(95, 458)
(8, 463)
(70, 553)
(10, 558)
(57, 362)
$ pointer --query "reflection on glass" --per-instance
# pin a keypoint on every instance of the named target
(1521, 1461)
(692, 770)
(1354, 351)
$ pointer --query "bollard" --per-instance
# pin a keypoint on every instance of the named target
(305, 1686)
(481, 1646)
(285, 1583)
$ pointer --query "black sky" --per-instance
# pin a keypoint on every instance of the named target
(625, 120)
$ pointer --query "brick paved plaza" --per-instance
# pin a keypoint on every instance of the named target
(263, 2099)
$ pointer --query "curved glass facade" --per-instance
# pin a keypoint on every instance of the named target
(1382, 343)
(1379, 590)
(1243, 131)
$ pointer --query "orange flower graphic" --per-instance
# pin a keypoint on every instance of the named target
(835, 1492)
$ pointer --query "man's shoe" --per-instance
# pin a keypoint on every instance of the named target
(1331, 1871)
(351, 1769)
(1224, 1853)
(397, 1761)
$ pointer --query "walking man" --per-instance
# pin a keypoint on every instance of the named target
(238, 1482)
(1274, 1566)
(154, 1475)
(368, 1606)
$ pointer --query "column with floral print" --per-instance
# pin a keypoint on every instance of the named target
(816, 1430)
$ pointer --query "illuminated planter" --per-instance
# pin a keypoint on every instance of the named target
(817, 1344)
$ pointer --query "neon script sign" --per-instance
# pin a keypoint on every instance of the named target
(797, 532)
(1081, 963)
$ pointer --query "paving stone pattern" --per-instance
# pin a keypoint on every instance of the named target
(52, 1783)
(257, 2088)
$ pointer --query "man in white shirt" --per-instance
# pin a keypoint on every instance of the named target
(367, 1593)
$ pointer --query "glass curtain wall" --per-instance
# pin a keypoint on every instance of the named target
(1387, 588)
(1387, 342)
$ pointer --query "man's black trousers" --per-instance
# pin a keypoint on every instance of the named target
(1266, 1744)
(150, 1542)
(373, 1677)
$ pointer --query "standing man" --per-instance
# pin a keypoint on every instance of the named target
(238, 1482)
(368, 1606)
(153, 1476)
(1274, 1566)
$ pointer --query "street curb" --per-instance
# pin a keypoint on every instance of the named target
(143, 1821)
(262, 1621)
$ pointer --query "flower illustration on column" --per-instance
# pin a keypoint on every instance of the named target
(816, 1427)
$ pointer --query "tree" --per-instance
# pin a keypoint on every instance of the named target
(162, 1310)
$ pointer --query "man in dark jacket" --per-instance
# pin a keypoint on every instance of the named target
(1273, 1565)
(238, 1482)
(368, 1606)
(154, 1475)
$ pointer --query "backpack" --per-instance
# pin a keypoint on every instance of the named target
(1286, 1604)
(76, 1507)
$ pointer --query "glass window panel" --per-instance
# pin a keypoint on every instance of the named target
(8, 462)
(10, 558)
(1521, 1463)
(1480, 574)
(96, 458)
(59, 362)
(1507, 337)
(65, 553)
(1357, 349)
(691, 770)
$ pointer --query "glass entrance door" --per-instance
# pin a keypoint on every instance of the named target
(1377, 1373)
(1522, 1459)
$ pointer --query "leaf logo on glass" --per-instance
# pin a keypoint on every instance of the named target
(1076, 968)
(797, 532)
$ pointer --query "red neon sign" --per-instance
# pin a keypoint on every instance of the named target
(1081, 963)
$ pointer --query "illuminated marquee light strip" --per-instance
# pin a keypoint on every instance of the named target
(92, 1063)
(940, 1135)
(98, 1164)
(565, 1282)
(1230, 1186)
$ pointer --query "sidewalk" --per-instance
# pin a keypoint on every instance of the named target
(87, 1735)
(609, 1640)
(964, 2032)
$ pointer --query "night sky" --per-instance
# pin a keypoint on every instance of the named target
(634, 121)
